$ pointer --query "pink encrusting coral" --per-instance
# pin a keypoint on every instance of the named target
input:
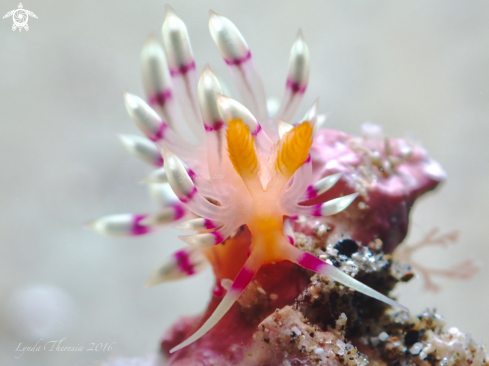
(257, 191)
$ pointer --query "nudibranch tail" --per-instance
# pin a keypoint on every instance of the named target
(240, 283)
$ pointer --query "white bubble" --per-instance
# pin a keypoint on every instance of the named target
(40, 311)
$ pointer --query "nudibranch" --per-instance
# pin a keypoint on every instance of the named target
(250, 171)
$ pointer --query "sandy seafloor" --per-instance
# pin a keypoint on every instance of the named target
(417, 68)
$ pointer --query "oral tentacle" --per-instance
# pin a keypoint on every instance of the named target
(312, 263)
(241, 281)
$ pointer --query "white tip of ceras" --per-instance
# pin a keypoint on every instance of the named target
(178, 177)
(321, 120)
(229, 109)
(283, 127)
(207, 88)
(299, 62)
(119, 225)
(156, 76)
(176, 40)
(144, 116)
(227, 37)
(197, 224)
(163, 194)
(201, 240)
(142, 148)
(311, 115)
(337, 205)
(326, 183)
(156, 176)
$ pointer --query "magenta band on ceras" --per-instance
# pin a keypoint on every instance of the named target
(145, 117)
(157, 81)
(230, 109)
(143, 149)
(205, 239)
(321, 186)
(297, 78)
(288, 230)
(120, 225)
(181, 264)
(207, 88)
(151, 125)
(237, 56)
(240, 283)
(182, 68)
(198, 224)
(165, 216)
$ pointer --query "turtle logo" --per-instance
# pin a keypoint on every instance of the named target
(20, 17)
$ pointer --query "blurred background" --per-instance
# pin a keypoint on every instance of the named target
(417, 68)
